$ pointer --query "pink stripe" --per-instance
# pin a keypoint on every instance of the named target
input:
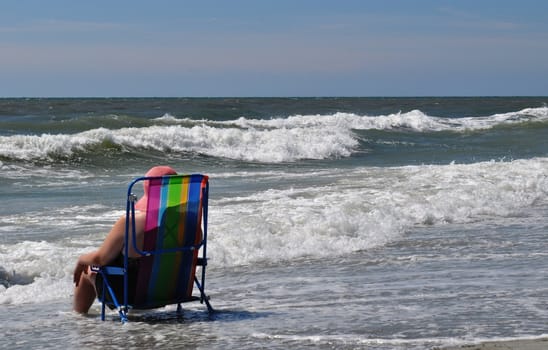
(149, 240)
(153, 205)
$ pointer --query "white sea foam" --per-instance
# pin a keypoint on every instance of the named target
(357, 210)
(369, 207)
(42, 222)
(413, 120)
(35, 271)
(52, 176)
(275, 145)
(272, 140)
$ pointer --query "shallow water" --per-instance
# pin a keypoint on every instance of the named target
(333, 223)
(434, 287)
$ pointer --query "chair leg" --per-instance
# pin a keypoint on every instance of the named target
(122, 310)
(203, 296)
(103, 304)
(123, 315)
(209, 307)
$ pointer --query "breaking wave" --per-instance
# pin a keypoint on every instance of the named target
(273, 140)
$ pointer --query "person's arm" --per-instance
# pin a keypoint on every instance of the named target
(111, 247)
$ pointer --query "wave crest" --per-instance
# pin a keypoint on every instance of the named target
(274, 140)
(277, 145)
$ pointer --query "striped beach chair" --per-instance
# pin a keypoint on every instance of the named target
(175, 234)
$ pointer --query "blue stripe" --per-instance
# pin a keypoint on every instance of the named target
(191, 226)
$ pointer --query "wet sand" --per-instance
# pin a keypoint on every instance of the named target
(526, 344)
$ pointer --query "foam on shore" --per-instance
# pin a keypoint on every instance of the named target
(517, 344)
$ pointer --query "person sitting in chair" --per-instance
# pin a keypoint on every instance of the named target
(110, 252)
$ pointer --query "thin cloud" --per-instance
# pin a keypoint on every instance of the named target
(471, 20)
(63, 26)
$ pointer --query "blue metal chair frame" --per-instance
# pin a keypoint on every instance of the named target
(123, 308)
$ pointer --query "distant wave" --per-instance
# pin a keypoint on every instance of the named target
(274, 140)
(275, 145)
(414, 120)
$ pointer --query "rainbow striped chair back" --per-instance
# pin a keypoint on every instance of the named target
(175, 234)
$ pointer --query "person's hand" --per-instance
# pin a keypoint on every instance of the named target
(80, 268)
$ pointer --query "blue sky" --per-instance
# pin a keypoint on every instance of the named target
(70, 48)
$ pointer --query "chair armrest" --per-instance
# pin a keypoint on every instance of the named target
(109, 270)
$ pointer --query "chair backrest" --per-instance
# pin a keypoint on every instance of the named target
(173, 236)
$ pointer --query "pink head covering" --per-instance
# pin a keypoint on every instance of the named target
(160, 170)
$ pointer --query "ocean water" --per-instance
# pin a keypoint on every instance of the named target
(335, 223)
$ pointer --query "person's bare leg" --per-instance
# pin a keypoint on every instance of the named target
(84, 294)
